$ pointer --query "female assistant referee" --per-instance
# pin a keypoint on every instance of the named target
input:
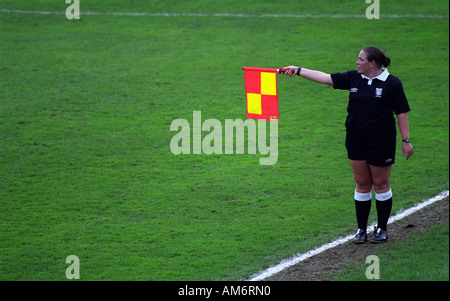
(374, 97)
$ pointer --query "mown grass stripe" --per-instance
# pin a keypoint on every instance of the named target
(304, 16)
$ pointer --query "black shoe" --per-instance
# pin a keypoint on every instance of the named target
(360, 236)
(379, 235)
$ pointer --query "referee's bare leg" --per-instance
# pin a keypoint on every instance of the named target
(383, 196)
(362, 174)
(366, 176)
(363, 197)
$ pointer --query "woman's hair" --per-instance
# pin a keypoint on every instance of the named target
(373, 53)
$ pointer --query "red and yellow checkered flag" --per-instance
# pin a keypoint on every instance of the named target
(261, 92)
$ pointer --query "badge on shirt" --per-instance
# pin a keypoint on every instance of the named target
(378, 92)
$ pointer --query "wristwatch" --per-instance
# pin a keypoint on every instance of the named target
(406, 140)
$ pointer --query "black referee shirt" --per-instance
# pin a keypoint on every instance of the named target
(372, 102)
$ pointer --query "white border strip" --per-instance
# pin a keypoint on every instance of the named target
(284, 264)
(328, 16)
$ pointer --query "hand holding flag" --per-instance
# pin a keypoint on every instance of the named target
(290, 70)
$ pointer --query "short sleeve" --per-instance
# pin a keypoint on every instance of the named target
(399, 98)
(341, 80)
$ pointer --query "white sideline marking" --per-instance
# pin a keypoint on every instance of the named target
(329, 16)
(300, 257)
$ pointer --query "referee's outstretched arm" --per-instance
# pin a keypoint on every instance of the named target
(314, 75)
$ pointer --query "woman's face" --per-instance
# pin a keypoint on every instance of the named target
(364, 66)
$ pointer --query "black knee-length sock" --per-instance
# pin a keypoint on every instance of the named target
(362, 212)
(383, 211)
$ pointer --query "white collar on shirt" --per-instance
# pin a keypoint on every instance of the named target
(382, 76)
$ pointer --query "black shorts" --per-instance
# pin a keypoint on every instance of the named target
(376, 147)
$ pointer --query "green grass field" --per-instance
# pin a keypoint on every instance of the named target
(85, 111)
